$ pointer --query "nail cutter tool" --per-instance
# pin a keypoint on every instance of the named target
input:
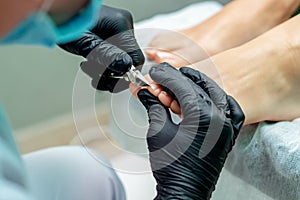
(135, 76)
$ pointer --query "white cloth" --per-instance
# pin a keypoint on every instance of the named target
(71, 173)
(183, 18)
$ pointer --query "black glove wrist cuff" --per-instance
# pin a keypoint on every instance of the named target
(179, 191)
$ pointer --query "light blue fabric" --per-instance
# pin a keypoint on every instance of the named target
(13, 180)
(39, 29)
(61, 173)
(84, 20)
(267, 156)
(72, 173)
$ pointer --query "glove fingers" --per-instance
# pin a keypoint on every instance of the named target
(113, 85)
(236, 114)
(189, 97)
(113, 20)
(118, 26)
(102, 80)
(127, 42)
(148, 99)
(217, 95)
(161, 130)
(92, 69)
(138, 58)
(102, 76)
(82, 46)
(111, 57)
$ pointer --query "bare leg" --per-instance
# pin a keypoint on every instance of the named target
(239, 22)
(263, 75)
(72, 172)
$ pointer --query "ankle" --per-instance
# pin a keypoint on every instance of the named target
(252, 80)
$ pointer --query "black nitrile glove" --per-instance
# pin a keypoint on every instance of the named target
(110, 49)
(187, 158)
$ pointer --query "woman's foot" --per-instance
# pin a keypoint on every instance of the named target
(177, 48)
(236, 24)
(262, 75)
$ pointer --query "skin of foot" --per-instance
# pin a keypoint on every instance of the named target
(263, 75)
(238, 22)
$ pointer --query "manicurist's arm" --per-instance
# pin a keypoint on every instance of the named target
(13, 181)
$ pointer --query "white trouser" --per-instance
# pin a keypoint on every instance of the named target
(72, 173)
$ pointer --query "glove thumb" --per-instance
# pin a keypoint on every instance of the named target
(159, 120)
(157, 113)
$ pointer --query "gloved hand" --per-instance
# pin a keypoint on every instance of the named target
(110, 48)
(187, 158)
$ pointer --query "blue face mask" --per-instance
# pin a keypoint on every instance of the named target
(39, 29)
